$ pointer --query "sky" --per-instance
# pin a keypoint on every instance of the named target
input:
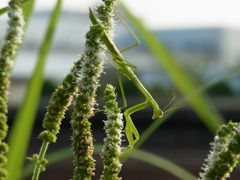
(167, 13)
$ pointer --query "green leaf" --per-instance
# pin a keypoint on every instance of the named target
(140, 155)
(162, 163)
(3, 10)
(27, 6)
(23, 124)
(186, 85)
(27, 3)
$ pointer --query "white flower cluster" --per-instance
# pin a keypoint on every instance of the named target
(106, 15)
(111, 151)
(219, 145)
(113, 128)
(9, 49)
(90, 71)
(15, 30)
(16, 21)
(91, 68)
(225, 144)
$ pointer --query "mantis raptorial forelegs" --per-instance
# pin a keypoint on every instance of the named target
(124, 67)
(130, 127)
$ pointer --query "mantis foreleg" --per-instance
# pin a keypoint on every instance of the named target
(131, 130)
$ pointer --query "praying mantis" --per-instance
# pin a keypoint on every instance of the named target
(124, 67)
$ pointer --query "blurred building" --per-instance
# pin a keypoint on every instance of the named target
(213, 48)
(208, 47)
(205, 52)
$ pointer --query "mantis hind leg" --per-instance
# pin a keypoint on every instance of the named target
(121, 62)
(137, 43)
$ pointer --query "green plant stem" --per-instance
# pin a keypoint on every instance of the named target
(39, 166)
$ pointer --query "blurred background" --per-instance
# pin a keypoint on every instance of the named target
(203, 38)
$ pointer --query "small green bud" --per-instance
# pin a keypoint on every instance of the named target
(3, 174)
(33, 159)
(3, 159)
(3, 148)
(47, 136)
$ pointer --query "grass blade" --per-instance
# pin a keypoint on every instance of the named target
(27, 6)
(154, 126)
(200, 103)
(140, 155)
(3, 10)
(162, 163)
(23, 124)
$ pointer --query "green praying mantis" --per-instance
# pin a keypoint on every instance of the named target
(124, 67)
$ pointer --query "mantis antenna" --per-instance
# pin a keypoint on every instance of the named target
(176, 108)
(173, 107)
(169, 102)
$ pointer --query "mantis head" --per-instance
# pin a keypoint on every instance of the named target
(157, 113)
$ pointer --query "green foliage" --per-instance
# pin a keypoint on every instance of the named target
(11, 44)
(26, 5)
(84, 76)
(23, 124)
(140, 155)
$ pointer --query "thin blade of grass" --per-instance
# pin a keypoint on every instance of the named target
(27, 6)
(140, 155)
(162, 163)
(3, 10)
(23, 124)
(154, 126)
(200, 103)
